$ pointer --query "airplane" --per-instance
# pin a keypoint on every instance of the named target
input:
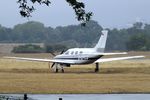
(81, 56)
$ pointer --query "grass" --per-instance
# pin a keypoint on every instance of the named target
(74, 83)
(128, 76)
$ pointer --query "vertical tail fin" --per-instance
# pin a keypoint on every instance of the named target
(100, 46)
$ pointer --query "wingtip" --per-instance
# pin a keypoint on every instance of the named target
(142, 56)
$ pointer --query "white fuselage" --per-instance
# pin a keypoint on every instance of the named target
(79, 56)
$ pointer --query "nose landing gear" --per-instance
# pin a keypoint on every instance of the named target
(59, 67)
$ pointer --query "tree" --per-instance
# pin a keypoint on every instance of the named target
(5, 34)
(137, 42)
(30, 32)
(138, 25)
(78, 7)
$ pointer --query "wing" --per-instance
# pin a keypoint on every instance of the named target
(119, 58)
(105, 54)
(41, 60)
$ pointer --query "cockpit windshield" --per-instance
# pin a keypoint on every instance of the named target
(66, 53)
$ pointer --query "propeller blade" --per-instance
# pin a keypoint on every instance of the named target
(62, 52)
(52, 65)
(52, 53)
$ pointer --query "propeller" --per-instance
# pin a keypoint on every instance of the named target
(52, 65)
(54, 55)
(62, 52)
(49, 62)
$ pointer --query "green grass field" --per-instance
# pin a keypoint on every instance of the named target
(128, 76)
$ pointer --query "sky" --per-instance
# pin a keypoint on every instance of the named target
(108, 13)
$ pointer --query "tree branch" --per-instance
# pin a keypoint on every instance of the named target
(26, 9)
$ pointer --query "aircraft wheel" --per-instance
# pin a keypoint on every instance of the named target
(96, 70)
(56, 71)
(62, 70)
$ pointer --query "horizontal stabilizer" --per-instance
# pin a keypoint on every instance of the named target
(120, 53)
(119, 58)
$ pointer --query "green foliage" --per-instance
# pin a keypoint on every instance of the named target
(133, 38)
(28, 49)
(85, 36)
(79, 11)
(139, 42)
(29, 32)
(26, 8)
(5, 34)
(138, 25)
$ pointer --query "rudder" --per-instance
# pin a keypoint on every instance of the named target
(100, 46)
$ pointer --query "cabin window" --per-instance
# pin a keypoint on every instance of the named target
(72, 52)
(81, 52)
(67, 53)
(76, 52)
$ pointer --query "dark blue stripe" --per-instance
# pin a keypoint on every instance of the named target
(85, 58)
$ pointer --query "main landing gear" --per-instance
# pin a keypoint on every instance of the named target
(59, 67)
(56, 70)
(97, 67)
(56, 67)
